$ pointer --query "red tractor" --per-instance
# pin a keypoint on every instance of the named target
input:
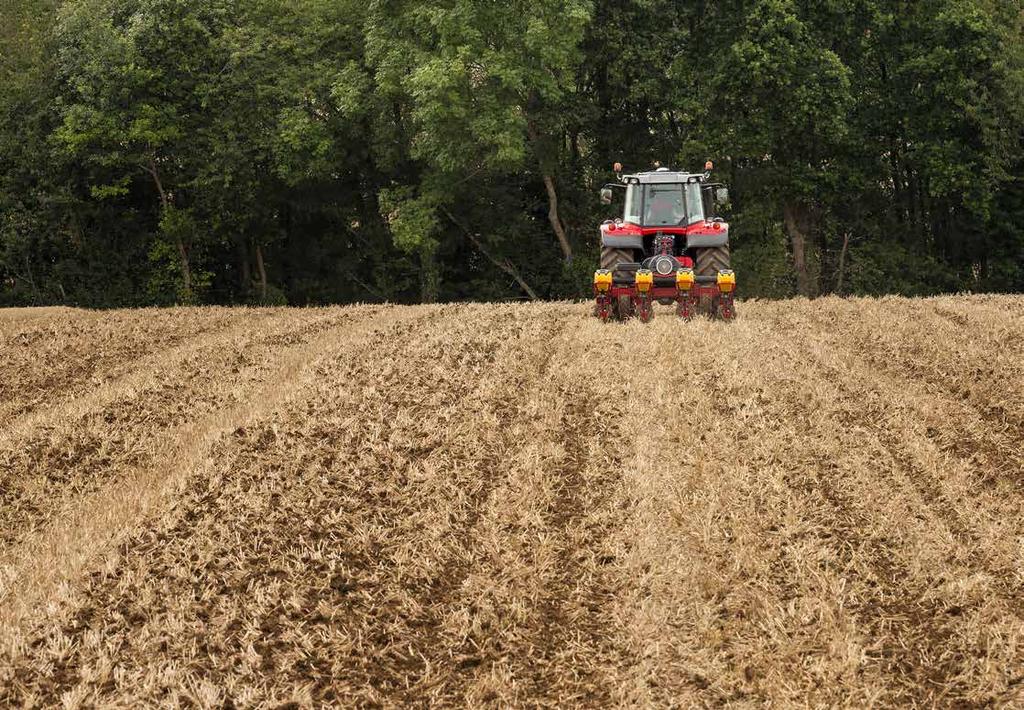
(667, 247)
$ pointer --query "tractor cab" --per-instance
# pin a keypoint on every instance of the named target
(662, 199)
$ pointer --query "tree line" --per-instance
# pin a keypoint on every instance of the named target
(157, 152)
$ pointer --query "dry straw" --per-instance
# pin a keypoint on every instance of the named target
(820, 504)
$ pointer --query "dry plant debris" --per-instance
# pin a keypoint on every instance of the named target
(821, 504)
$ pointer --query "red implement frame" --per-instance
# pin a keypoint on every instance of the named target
(687, 302)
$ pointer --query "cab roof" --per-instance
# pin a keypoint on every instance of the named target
(662, 176)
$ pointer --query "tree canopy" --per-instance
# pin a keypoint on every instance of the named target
(332, 151)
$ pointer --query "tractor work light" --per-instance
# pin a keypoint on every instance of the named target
(726, 281)
(685, 279)
(603, 280)
(644, 280)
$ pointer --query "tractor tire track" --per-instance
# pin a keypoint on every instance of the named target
(571, 635)
(543, 639)
(981, 456)
(442, 600)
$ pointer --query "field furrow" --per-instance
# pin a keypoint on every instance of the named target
(77, 351)
(34, 571)
(514, 505)
(47, 465)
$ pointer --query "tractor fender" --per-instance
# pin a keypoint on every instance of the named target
(623, 241)
(704, 241)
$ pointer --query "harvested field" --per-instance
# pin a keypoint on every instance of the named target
(819, 504)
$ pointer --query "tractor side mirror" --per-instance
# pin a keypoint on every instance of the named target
(606, 196)
(722, 195)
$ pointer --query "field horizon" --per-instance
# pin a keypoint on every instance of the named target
(821, 504)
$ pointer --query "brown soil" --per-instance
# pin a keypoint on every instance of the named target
(819, 504)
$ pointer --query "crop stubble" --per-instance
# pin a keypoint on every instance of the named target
(819, 504)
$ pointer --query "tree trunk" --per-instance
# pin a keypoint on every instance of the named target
(556, 222)
(842, 264)
(261, 270)
(504, 264)
(186, 269)
(36, 299)
(430, 278)
(549, 185)
(244, 268)
(795, 217)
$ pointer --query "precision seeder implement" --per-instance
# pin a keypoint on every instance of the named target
(665, 249)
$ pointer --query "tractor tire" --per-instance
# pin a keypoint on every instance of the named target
(709, 262)
(622, 306)
(610, 258)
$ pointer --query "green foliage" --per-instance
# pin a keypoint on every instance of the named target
(791, 91)
(764, 264)
(274, 297)
(412, 219)
(178, 151)
(878, 268)
(473, 74)
(163, 288)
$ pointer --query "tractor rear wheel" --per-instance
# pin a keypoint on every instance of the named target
(622, 306)
(610, 257)
(709, 262)
(712, 260)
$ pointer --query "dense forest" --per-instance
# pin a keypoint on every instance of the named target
(323, 151)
